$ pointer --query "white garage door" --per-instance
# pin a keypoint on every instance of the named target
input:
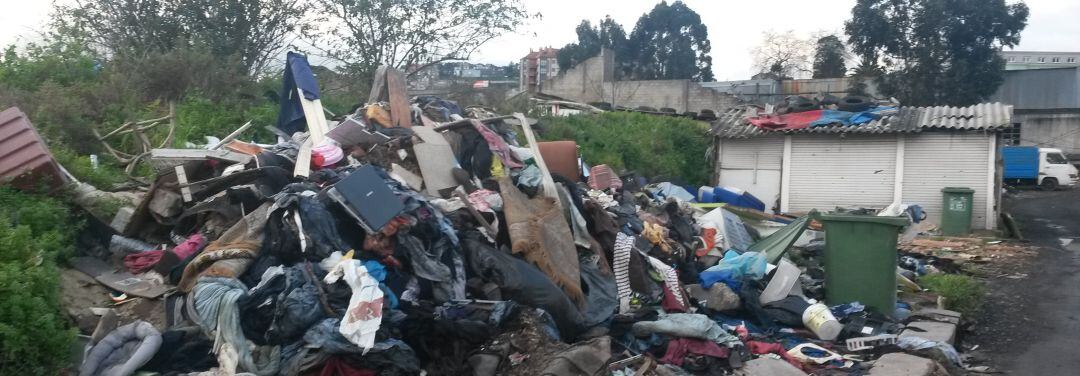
(752, 165)
(829, 171)
(933, 161)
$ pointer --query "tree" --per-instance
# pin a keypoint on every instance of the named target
(608, 34)
(670, 42)
(782, 56)
(936, 52)
(363, 34)
(830, 58)
(513, 70)
(254, 32)
(866, 71)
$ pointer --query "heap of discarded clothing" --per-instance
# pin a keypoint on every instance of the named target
(428, 240)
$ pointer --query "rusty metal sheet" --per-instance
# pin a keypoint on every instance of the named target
(25, 160)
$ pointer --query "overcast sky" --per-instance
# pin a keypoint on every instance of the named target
(735, 26)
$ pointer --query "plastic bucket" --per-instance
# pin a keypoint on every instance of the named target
(821, 321)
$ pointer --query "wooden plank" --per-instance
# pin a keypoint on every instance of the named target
(303, 160)
(546, 181)
(185, 155)
(181, 179)
(231, 136)
(316, 121)
(400, 112)
(436, 160)
(378, 86)
(463, 122)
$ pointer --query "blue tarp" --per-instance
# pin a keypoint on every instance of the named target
(297, 75)
(834, 117)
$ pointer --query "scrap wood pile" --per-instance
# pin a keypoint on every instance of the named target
(415, 237)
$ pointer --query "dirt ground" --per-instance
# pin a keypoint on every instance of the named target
(1030, 322)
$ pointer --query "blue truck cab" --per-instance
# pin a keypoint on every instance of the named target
(1030, 165)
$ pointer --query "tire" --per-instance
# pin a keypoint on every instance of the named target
(802, 107)
(1049, 184)
(854, 103)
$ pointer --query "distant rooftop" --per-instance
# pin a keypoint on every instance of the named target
(1027, 60)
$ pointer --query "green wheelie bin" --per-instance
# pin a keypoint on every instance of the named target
(956, 210)
(860, 260)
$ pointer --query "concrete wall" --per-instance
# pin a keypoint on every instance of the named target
(1053, 130)
(593, 81)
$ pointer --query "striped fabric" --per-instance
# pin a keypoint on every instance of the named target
(671, 278)
(621, 265)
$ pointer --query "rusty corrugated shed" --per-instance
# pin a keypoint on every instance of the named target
(25, 161)
(984, 116)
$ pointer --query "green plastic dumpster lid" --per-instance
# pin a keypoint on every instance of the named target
(893, 221)
(957, 190)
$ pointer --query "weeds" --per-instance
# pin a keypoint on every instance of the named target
(653, 146)
(962, 293)
(34, 232)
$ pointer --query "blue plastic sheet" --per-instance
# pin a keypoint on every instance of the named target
(733, 268)
(834, 117)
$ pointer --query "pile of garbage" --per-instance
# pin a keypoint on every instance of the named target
(416, 237)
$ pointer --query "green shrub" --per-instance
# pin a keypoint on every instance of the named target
(198, 117)
(34, 232)
(962, 293)
(107, 175)
(652, 146)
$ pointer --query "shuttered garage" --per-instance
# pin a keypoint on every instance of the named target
(853, 171)
(933, 160)
(753, 165)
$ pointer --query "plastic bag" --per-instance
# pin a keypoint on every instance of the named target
(733, 268)
(364, 315)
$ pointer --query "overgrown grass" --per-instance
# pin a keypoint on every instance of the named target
(652, 146)
(35, 231)
(962, 293)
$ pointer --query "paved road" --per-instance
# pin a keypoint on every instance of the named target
(1037, 319)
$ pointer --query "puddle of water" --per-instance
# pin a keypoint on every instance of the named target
(1065, 242)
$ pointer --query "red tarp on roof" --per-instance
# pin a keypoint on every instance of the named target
(798, 120)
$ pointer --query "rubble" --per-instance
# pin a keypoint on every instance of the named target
(407, 238)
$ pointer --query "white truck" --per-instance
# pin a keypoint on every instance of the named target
(1045, 167)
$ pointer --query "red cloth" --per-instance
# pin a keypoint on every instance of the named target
(798, 120)
(677, 349)
(669, 303)
(141, 262)
(192, 245)
(335, 366)
(758, 347)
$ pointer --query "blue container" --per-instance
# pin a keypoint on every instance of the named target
(730, 196)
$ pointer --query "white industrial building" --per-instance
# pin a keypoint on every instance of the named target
(906, 157)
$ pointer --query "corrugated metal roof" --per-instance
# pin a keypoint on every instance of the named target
(24, 158)
(985, 116)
